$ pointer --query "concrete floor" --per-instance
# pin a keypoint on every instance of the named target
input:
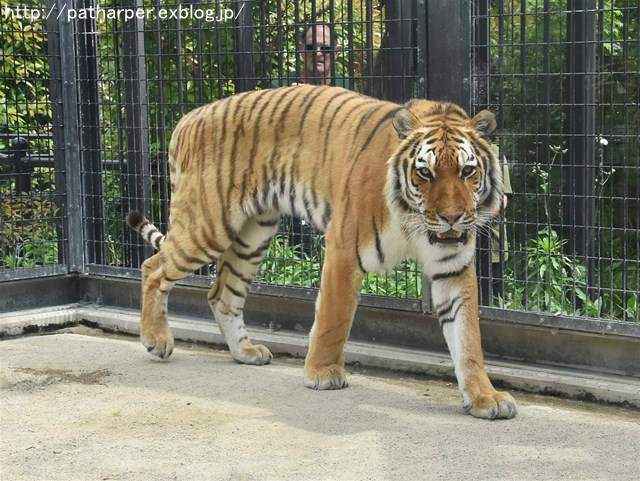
(83, 406)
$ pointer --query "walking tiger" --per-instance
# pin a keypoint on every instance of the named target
(384, 182)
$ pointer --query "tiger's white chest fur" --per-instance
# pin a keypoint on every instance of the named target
(394, 246)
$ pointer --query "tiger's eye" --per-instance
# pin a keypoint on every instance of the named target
(468, 171)
(425, 173)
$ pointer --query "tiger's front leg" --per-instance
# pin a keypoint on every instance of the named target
(335, 307)
(456, 303)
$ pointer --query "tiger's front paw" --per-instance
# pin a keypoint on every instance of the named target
(158, 343)
(499, 405)
(255, 354)
(325, 377)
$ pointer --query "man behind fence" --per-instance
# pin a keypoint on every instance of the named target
(320, 51)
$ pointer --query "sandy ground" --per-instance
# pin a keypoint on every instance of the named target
(81, 407)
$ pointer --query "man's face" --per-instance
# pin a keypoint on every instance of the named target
(318, 54)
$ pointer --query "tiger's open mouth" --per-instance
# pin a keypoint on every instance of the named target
(450, 236)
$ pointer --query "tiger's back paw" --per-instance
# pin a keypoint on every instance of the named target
(325, 377)
(499, 405)
(255, 354)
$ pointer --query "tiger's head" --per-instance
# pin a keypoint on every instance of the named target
(444, 178)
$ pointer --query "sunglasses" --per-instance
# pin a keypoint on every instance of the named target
(323, 48)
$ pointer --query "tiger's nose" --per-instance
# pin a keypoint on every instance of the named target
(451, 218)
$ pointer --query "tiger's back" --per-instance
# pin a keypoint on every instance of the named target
(292, 150)
(384, 181)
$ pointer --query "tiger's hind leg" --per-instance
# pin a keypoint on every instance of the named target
(236, 269)
(180, 255)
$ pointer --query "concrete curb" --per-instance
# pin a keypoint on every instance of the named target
(561, 381)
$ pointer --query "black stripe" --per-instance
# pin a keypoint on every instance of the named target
(378, 242)
(256, 134)
(326, 217)
(388, 116)
(358, 252)
(269, 222)
(352, 159)
(449, 257)
(236, 274)
(203, 195)
(242, 243)
(308, 205)
(447, 275)
(405, 148)
(307, 104)
(284, 115)
(265, 185)
(255, 254)
(234, 292)
(442, 310)
(330, 124)
(398, 193)
(142, 225)
(445, 320)
(187, 258)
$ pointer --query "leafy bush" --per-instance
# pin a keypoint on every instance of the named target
(28, 232)
(287, 265)
(555, 283)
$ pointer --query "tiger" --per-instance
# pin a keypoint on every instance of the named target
(383, 181)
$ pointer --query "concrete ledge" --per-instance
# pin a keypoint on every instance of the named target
(561, 381)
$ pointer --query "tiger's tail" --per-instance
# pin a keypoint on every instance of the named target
(146, 229)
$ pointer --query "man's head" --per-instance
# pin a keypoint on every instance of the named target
(319, 45)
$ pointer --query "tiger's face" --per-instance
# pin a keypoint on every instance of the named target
(452, 183)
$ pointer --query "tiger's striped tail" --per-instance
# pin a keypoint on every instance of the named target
(146, 229)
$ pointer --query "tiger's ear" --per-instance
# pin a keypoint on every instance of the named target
(405, 123)
(484, 123)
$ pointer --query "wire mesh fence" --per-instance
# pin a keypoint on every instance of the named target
(169, 59)
(562, 77)
(32, 234)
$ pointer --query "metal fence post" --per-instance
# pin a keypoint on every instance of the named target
(245, 77)
(422, 47)
(397, 59)
(19, 149)
(72, 203)
(449, 53)
(55, 89)
(89, 129)
(136, 168)
(580, 128)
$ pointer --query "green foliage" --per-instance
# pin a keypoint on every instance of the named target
(287, 265)
(555, 283)
(27, 231)
(24, 96)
